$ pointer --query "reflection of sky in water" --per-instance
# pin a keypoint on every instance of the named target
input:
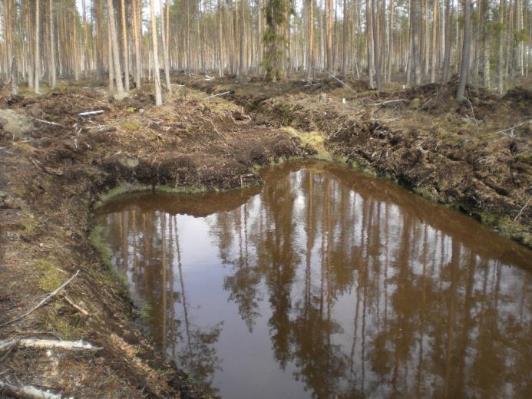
(322, 285)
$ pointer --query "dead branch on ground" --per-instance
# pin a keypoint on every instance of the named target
(521, 211)
(75, 305)
(48, 122)
(42, 302)
(37, 343)
(26, 391)
(219, 94)
(342, 83)
(512, 128)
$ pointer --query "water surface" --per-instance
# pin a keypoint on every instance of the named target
(327, 284)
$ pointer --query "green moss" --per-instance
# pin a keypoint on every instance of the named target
(428, 193)
(146, 312)
(122, 189)
(29, 222)
(507, 227)
(98, 243)
(51, 276)
(128, 188)
(524, 157)
(55, 320)
(130, 126)
(182, 189)
(488, 218)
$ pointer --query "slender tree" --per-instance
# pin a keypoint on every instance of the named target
(125, 48)
(164, 33)
(137, 11)
(466, 52)
(500, 57)
(310, 42)
(37, 44)
(115, 50)
(155, 51)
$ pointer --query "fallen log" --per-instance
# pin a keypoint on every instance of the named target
(36, 343)
(26, 391)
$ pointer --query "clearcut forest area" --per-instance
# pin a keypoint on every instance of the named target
(265, 199)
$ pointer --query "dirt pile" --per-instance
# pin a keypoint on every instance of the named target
(49, 181)
(475, 156)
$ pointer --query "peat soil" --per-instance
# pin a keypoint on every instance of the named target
(475, 156)
(54, 167)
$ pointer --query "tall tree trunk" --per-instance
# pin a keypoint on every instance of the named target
(53, 77)
(466, 52)
(447, 53)
(155, 51)
(164, 33)
(136, 36)
(500, 58)
(110, 63)
(415, 57)
(220, 40)
(37, 56)
(376, 50)
(310, 39)
(115, 50)
(434, 55)
(485, 44)
(369, 42)
(521, 40)
(345, 40)
(187, 36)
(242, 29)
(390, 41)
(125, 48)
(11, 59)
(329, 33)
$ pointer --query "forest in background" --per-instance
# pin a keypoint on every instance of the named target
(485, 42)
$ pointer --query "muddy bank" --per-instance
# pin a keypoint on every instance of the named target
(476, 156)
(53, 168)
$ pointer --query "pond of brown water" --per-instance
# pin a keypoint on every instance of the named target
(326, 283)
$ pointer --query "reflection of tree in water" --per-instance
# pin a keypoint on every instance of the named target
(366, 299)
(422, 326)
(149, 254)
(242, 284)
